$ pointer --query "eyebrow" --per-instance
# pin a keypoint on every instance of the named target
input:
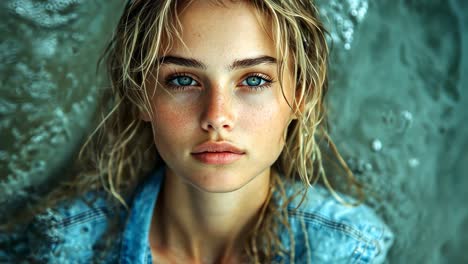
(192, 63)
(237, 64)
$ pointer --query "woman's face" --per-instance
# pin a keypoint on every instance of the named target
(220, 116)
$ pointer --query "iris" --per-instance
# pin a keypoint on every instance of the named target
(254, 81)
(183, 81)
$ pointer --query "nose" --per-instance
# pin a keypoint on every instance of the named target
(218, 113)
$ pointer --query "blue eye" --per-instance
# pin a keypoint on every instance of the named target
(257, 81)
(183, 81)
(254, 81)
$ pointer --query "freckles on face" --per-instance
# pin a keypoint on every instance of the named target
(172, 112)
(268, 119)
(169, 123)
(221, 87)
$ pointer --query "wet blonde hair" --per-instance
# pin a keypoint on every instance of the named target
(121, 150)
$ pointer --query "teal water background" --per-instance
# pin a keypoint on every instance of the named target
(397, 100)
(398, 108)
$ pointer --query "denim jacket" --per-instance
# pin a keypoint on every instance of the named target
(77, 231)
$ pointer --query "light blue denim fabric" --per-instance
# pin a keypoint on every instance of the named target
(75, 233)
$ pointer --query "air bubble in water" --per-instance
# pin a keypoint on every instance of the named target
(376, 145)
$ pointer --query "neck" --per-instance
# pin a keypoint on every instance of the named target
(203, 226)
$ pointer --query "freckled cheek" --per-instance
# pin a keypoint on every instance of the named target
(172, 122)
(266, 122)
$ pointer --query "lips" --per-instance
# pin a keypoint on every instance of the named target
(211, 146)
(211, 152)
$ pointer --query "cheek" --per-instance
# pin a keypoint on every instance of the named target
(168, 119)
(267, 121)
(171, 123)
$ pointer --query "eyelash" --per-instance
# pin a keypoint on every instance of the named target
(173, 77)
(263, 77)
(268, 81)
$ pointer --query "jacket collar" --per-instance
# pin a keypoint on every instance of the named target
(135, 242)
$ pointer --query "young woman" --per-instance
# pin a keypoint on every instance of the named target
(210, 153)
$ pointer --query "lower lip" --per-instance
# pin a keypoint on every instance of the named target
(217, 157)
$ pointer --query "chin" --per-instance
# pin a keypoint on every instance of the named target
(217, 183)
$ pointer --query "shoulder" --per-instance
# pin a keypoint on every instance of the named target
(75, 230)
(335, 232)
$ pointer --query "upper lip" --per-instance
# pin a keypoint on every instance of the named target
(213, 146)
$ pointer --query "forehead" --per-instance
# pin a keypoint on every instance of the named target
(228, 31)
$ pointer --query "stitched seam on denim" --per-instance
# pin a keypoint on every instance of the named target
(88, 215)
(347, 229)
(366, 258)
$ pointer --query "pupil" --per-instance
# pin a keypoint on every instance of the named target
(254, 81)
(184, 80)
